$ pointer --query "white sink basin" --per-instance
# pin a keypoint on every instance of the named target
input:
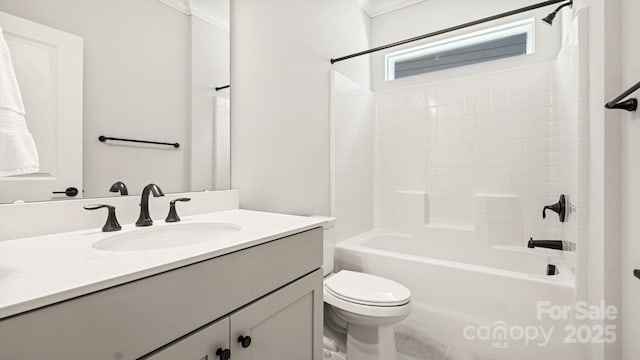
(169, 236)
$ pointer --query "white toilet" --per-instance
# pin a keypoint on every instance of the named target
(370, 305)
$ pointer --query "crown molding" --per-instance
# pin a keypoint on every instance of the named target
(183, 6)
(209, 17)
(375, 8)
(193, 9)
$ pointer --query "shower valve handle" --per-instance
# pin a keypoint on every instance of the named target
(560, 208)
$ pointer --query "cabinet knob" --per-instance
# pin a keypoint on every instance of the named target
(224, 354)
(245, 341)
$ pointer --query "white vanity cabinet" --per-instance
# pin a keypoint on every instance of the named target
(271, 292)
(278, 326)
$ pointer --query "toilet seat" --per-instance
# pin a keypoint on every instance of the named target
(366, 289)
(374, 312)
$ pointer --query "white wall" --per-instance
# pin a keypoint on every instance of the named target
(603, 246)
(630, 185)
(433, 15)
(281, 84)
(352, 124)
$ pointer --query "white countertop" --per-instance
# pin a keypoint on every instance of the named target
(43, 270)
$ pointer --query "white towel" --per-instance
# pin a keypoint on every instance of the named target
(18, 154)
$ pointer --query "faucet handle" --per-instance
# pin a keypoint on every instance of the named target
(173, 214)
(112, 223)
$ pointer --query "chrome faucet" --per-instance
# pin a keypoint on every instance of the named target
(144, 219)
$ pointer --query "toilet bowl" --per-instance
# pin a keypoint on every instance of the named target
(370, 305)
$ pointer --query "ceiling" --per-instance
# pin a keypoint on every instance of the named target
(379, 7)
(217, 11)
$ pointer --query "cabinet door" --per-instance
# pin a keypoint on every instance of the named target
(284, 325)
(200, 345)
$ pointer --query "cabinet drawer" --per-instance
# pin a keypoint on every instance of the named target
(128, 321)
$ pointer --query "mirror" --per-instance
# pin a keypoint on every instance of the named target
(144, 70)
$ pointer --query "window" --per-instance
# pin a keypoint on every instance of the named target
(486, 45)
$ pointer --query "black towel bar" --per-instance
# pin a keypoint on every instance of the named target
(629, 105)
(103, 138)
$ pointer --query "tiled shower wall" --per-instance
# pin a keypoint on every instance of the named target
(571, 70)
(488, 151)
(482, 154)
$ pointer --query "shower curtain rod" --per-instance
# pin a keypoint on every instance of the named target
(450, 29)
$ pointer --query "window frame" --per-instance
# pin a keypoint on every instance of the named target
(525, 26)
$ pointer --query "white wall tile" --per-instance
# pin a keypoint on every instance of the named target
(507, 134)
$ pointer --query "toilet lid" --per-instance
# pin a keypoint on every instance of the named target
(367, 289)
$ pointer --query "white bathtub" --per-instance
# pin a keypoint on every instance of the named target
(458, 290)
